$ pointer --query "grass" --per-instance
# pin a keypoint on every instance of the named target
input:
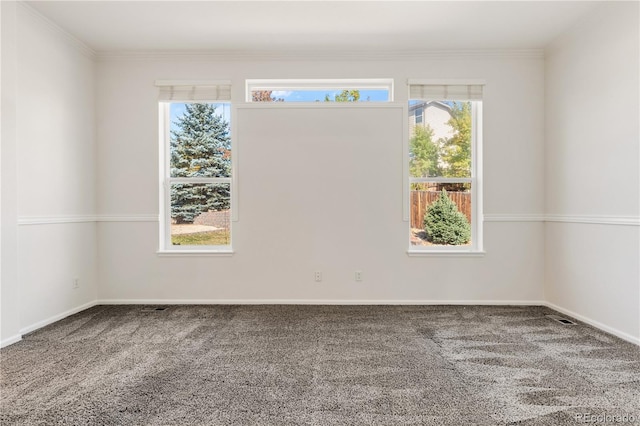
(213, 238)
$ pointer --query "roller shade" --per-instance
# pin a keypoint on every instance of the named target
(194, 92)
(446, 92)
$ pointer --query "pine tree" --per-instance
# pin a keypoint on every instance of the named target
(200, 147)
(444, 224)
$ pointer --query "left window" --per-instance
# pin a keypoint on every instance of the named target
(197, 169)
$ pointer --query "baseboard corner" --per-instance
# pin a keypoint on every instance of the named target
(11, 340)
(600, 326)
(58, 317)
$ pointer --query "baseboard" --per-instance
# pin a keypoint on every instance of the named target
(625, 336)
(58, 317)
(11, 340)
(594, 323)
(315, 302)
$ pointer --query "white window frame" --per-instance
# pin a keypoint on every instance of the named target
(476, 247)
(166, 248)
(320, 84)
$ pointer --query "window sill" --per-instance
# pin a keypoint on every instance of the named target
(444, 253)
(194, 253)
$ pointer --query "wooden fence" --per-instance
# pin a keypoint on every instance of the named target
(420, 200)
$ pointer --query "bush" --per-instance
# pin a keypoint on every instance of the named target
(444, 224)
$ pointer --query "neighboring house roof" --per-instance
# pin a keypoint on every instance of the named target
(427, 104)
(436, 114)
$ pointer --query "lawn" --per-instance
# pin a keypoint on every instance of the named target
(211, 238)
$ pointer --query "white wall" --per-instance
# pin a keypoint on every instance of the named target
(9, 289)
(130, 269)
(592, 169)
(55, 172)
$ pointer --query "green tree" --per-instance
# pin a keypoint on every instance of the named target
(423, 153)
(457, 149)
(344, 96)
(445, 224)
(200, 147)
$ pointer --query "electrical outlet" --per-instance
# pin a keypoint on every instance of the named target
(318, 276)
(76, 283)
(358, 275)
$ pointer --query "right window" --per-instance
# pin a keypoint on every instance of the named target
(444, 167)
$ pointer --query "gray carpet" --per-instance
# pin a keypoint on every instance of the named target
(317, 365)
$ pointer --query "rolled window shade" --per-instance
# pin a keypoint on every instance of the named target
(193, 93)
(444, 92)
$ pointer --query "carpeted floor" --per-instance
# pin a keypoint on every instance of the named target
(317, 365)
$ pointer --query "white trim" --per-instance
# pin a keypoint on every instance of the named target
(319, 105)
(47, 220)
(594, 323)
(317, 302)
(58, 317)
(597, 220)
(447, 81)
(57, 30)
(11, 340)
(128, 218)
(489, 217)
(444, 253)
(441, 180)
(161, 83)
(311, 55)
(319, 84)
(196, 180)
(607, 329)
(195, 253)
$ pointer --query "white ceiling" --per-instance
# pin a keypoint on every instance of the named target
(107, 26)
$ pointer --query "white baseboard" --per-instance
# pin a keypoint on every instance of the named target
(40, 324)
(11, 340)
(621, 334)
(58, 317)
(315, 302)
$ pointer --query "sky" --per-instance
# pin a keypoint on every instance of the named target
(381, 95)
(224, 109)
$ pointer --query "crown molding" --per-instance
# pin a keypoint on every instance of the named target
(324, 55)
(57, 30)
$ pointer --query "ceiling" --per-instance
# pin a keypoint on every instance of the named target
(108, 26)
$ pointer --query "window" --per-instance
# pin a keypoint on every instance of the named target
(418, 114)
(443, 165)
(197, 170)
(322, 90)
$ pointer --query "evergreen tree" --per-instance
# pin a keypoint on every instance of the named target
(444, 224)
(200, 147)
(423, 153)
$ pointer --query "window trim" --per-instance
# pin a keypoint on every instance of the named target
(165, 181)
(477, 222)
(319, 84)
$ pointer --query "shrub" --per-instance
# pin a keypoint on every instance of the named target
(444, 224)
